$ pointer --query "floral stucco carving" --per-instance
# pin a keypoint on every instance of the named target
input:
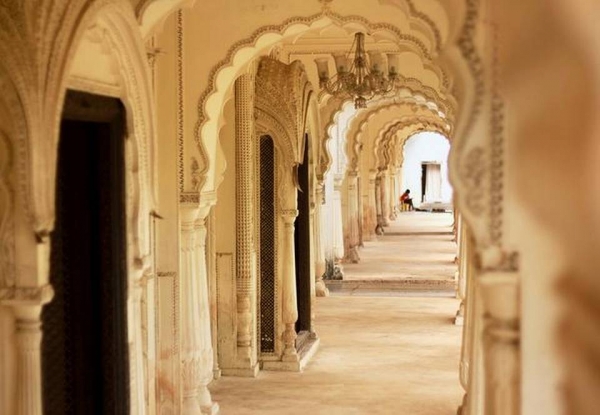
(281, 103)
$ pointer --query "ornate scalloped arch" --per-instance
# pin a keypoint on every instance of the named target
(333, 106)
(387, 146)
(358, 125)
(210, 100)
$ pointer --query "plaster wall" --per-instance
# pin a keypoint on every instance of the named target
(425, 147)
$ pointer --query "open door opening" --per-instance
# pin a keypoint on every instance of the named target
(302, 252)
(84, 347)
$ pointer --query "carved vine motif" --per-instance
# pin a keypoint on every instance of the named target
(195, 174)
(474, 173)
(281, 101)
(466, 44)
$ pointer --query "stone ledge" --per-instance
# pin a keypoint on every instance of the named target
(307, 351)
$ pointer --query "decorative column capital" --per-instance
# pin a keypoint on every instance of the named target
(26, 296)
(372, 175)
(289, 215)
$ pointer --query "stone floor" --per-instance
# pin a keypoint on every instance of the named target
(385, 351)
(418, 245)
(378, 355)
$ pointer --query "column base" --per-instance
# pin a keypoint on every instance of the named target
(246, 372)
(299, 362)
(321, 289)
(210, 410)
(352, 256)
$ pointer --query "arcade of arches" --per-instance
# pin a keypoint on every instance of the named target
(177, 194)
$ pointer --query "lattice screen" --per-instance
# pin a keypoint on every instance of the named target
(267, 245)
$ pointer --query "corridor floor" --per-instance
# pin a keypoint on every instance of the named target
(417, 245)
(378, 355)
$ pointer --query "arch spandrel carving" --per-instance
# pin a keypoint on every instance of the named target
(282, 98)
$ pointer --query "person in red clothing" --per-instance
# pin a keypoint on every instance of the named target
(407, 200)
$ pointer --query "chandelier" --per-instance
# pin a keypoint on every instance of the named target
(359, 75)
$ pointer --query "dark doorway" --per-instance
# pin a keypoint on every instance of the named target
(267, 245)
(423, 181)
(302, 249)
(84, 347)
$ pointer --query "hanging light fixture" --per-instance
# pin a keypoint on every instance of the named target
(359, 74)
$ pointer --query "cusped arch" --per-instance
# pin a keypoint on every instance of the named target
(210, 101)
(389, 141)
(358, 125)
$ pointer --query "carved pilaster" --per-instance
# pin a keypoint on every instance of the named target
(501, 340)
(290, 304)
(385, 198)
(393, 196)
(371, 206)
(378, 208)
(467, 275)
(196, 345)
(320, 288)
(351, 254)
(245, 249)
(461, 283)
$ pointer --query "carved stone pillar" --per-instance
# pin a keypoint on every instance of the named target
(351, 254)
(501, 339)
(245, 194)
(371, 207)
(27, 306)
(338, 229)
(467, 273)
(196, 345)
(393, 199)
(136, 349)
(378, 208)
(290, 304)
(211, 266)
(385, 198)
(461, 283)
(320, 288)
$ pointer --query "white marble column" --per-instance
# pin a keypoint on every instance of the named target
(320, 288)
(378, 208)
(467, 273)
(211, 266)
(338, 228)
(371, 207)
(289, 297)
(27, 303)
(246, 271)
(196, 344)
(393, 198)
(501, 339)
(461, 283)
(385, 198)
(351, 254)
